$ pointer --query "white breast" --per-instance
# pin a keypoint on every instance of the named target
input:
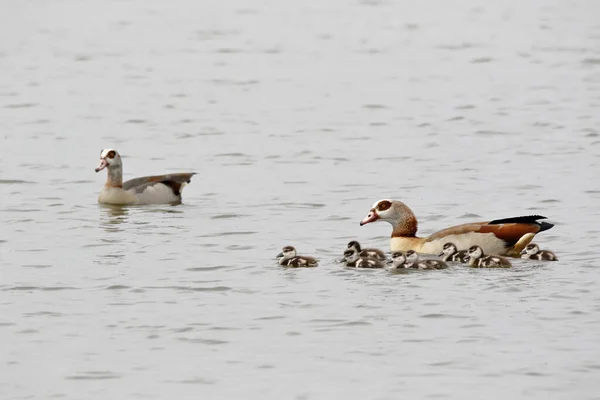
(113, 195)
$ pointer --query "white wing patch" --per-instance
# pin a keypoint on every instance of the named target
(157, 194)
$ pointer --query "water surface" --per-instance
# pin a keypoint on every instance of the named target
(297, 117)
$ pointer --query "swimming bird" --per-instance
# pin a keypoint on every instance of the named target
(451, 253)
(399, 261)
(413, 260)
(372, 253)
(533, 252)
(159, 189)
(478, 259)
(288, 258)
(353, 259)
(500, 236)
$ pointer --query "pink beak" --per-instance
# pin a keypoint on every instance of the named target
(371, 217)
(103, 164)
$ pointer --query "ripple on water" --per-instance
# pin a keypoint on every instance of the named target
(192, 289)
(95, 375)
(15, 182)
(442, 316)
(38, 288)
(206, 269)
(21, 105)
(195, 381)
(210, 342)
(228, 216)
(117, 287)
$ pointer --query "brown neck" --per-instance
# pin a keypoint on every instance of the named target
(406, 228)
(114, 177)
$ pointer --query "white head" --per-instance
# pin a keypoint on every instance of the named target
(109, 158)
(448, 250)
(531, 249)
(350, 255)
(411, 257)
(398, 259)
(287, 253)
(396, 213)
(475, 252)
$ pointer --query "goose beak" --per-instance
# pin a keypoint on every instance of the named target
(371, 217)
(441, 254)
(523, 251)
(103, 164)
(279, 255)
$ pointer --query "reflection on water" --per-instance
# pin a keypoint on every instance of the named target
(112, 216)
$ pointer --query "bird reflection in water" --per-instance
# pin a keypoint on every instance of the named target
(111, 246)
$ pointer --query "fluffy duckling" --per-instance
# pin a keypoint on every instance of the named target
(371, 253)
(479, 260)
(412, 258)
(288, 258)
(352, 258)
(451, 253)
(399, 260)
(533, 252)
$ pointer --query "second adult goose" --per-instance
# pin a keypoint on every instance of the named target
(158, 189)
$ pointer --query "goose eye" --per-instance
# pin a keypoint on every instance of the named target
(111, 154)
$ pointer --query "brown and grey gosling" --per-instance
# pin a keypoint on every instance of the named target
(451, 253)
(412, 258)
(353, 260)
(477, 259)
(288, 258)
(371, 253)
(533, 252)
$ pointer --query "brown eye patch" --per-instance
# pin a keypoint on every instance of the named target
(111, 154)
(384, 205)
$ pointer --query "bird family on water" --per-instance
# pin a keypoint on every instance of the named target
(478, 244)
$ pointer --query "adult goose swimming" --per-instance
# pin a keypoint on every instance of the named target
(506, 236)
(158, 189)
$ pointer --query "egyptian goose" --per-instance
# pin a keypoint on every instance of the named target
(501, 236)
(371, 253)
(288, 258)
(451, 253)
(412, 259)
(159, 189)
(477, 259)
(533, 252)
(353, 259)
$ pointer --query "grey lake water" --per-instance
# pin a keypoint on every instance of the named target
(297, 117)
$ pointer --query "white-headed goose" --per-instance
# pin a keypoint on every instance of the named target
(477, 259)
(501, 236)
(288, 258)
(159, 189)
(371, 253)
(533, 252)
